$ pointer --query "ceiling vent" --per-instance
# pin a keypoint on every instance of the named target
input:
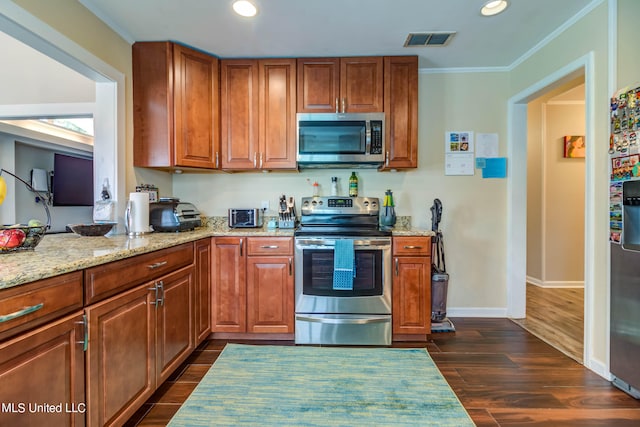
(429, 39)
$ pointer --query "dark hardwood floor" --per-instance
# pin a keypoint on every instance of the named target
(502, 374)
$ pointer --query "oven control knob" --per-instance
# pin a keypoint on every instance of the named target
(313, 203)
(320, 202)
(366, 203)
(374, 205)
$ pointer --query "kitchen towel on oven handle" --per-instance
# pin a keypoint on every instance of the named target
(343, 265)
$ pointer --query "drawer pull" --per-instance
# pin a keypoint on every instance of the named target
(269, 247)
(156, 265)
(413, 247)
(20, 313)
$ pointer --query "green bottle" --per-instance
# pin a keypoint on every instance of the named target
(353, 185)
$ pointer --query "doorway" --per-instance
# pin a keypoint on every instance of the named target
(517, 193)
(555, 218)
(108, 110)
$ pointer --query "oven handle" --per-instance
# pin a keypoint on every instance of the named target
(321, 244)
(344, 321)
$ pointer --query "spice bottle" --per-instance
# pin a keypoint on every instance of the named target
(334, 185)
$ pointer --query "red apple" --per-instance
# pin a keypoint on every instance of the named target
(11, 238)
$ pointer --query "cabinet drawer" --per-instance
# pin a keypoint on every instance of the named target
(26, 306)
(269, 246)
(417, 245)
(109, 279)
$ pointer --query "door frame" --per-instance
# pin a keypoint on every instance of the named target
(517, 193)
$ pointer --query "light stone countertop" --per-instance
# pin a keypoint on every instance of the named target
(63, 253)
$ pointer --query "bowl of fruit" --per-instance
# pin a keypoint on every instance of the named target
(21, 237)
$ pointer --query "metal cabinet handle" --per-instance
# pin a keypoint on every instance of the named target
(397, 268)
(156, 265)
(161, 288)
(290, 267)
(387, 159)
(413, 247)
(20, 313)
(269, 247)
(155, 297)
(217, 159)
(85, 326)
(260, 160)
(240, 247)
(343, 104)
(255, 159)
(337, 106)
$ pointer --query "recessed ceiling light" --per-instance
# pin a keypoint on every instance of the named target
(245, 8)
(494, 7)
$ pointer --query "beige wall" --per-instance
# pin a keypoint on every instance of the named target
(628, 35)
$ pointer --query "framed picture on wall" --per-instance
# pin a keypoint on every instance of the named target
(574, 146)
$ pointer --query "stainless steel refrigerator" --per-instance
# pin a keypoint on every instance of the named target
(624, 235)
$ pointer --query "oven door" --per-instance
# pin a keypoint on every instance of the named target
(371, 293)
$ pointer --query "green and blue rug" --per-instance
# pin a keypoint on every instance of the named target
(322, 386)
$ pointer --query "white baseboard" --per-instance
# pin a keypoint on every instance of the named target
(555, 283)
(600, 368)
(477, 312)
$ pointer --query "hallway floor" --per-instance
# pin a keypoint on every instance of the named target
(556, 316)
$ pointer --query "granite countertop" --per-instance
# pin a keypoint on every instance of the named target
(63, 253)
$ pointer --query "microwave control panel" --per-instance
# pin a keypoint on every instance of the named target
(376, 137)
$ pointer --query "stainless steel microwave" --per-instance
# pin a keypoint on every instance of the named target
(340, 140)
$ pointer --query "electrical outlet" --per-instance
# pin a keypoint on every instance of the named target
(265, 205)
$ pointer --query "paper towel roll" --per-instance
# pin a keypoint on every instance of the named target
(139, 203)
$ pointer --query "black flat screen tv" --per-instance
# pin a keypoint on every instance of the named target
(72, 181)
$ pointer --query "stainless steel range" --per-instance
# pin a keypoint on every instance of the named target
(328, 310)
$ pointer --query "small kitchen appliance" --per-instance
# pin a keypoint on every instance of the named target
(171, 215)
(245, 218)
(343, 273)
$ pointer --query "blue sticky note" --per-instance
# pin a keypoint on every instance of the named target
(495, 167)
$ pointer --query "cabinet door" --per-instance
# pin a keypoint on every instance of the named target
(401, 111)
(229, 285)
(174, 322)
(270, 294)
(195, 108)
(121, 356)
(239, 113)
(411, 295)
(44, 366)
(318, 85)
(277, 79)
(202, 304)
(361, 84)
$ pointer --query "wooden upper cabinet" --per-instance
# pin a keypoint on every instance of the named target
(239, 113)
(277, 78)
(331, 85)
(257, 102)
(176, 113)
(401, 111)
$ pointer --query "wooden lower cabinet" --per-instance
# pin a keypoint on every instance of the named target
(253, 285)
(411, 286)
(269, 294)
(136, 339)
(44, 366)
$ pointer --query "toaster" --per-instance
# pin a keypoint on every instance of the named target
(245, 218)
(170, 214)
